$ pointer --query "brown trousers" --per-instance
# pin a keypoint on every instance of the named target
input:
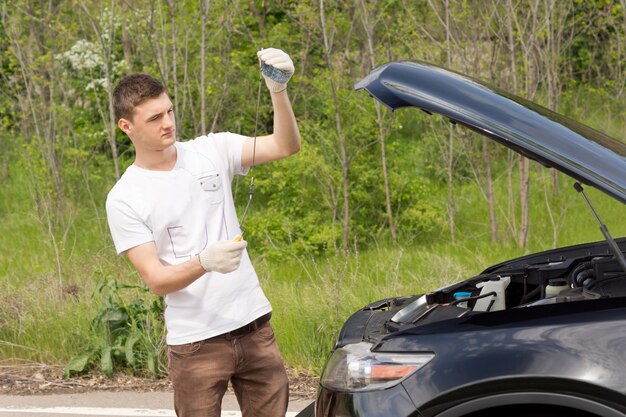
(200, 372)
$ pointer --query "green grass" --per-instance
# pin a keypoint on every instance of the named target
(312, 299)
(46, 318)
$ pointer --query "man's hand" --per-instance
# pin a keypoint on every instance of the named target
(276, 67)
(222, 256)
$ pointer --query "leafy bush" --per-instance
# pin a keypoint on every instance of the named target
(126, 335)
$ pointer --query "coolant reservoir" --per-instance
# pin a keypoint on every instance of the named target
(555, 286)
(498, 286)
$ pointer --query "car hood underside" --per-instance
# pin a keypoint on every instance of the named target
(527, 128)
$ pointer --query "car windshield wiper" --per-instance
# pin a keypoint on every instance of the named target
(612, 244)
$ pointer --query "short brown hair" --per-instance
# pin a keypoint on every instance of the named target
(133, 90)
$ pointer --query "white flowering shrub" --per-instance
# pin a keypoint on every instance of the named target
(98, 82)
(84, 55)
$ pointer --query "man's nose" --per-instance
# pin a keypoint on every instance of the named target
(169, 121)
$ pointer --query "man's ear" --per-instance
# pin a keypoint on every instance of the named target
(124, 125)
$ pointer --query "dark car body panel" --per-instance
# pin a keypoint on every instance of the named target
(577, 350)
(531, 130)
(573, 351)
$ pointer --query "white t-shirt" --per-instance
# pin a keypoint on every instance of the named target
(183, 211)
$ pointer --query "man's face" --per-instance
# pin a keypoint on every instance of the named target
(153, 127)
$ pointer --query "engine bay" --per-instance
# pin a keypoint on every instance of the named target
(516, 285)
(556, 277)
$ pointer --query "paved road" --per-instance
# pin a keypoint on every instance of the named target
(120, 404)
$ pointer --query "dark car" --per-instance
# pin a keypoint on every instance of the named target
(540, 335)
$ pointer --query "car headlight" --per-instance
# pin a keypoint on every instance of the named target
(356, 368)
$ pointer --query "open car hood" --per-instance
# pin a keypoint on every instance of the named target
(540, 134)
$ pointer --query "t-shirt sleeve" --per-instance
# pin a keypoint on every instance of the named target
(127, 228)
(231, 146)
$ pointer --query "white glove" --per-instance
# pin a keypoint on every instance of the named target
(276, 67)
(222, 256)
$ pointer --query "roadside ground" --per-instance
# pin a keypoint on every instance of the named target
(37, 379)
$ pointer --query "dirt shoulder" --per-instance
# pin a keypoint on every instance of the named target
(47, 379)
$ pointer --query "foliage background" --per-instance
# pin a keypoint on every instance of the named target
(376, 204)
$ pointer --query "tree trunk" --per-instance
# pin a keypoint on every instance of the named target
(380, 120)
(204, 7)
(510, 12)
(38, 124)
(172, 4)
(556, 19)
(343, 151)
(109, 80)
(450, 165)
(225, 50)
(493, 220)
(530, 45)
(126, 41)
(524, 168)
(159, 48)
(450, 172)
(107, 56)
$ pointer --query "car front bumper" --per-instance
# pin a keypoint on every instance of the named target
(384, 403)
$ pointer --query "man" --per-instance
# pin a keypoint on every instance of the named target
(172, 214)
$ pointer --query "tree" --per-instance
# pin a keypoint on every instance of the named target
(343, 149)
(368, 28)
